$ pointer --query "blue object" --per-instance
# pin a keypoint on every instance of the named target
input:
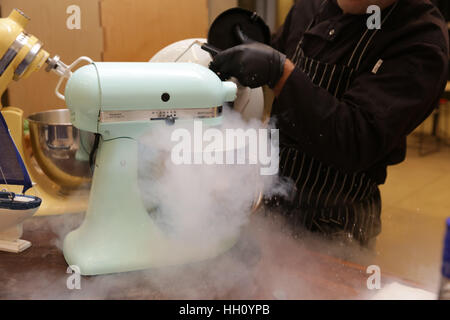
(446, 259)
(11, 164)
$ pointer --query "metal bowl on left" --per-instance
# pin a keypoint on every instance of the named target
(61, 150)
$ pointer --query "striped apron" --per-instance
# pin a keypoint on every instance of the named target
(340, 205)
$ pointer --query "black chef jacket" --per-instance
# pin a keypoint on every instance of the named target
(365, 129)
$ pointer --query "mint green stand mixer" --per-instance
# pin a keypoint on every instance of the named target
(120, 101)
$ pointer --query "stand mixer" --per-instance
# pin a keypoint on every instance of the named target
(20, 55)
(120, 101)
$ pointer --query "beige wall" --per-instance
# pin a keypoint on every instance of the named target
(134, 30)
(216, 7)
(283, 9)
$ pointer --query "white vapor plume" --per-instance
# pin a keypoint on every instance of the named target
(200, 203)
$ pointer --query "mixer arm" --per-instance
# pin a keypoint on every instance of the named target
(62, 70)
(21, 53)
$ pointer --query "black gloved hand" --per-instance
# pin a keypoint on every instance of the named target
(253, 64)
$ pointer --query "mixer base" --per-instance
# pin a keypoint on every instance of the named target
(15, 246)
(98, 259)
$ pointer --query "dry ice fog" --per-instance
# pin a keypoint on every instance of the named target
(202, 204)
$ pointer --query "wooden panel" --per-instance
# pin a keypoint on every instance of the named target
(48, 23)
(134, 30)
(216, 7)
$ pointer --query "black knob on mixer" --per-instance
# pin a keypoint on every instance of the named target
(170, 120)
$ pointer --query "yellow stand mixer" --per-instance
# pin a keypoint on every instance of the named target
(20, 55)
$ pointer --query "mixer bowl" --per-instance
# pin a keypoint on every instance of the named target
(60, 149)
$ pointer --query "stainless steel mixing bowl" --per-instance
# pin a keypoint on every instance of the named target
(61, 150)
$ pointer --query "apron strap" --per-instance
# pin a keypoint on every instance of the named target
(362, 45)
(364, 42)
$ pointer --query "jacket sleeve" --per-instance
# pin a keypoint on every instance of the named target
(373, 116)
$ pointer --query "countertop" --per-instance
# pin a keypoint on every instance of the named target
(263, 265)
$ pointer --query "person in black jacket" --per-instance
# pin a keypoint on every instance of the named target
(347, 96)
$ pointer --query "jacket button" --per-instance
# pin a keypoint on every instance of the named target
(332, 32)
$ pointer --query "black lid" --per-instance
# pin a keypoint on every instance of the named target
(232, 26)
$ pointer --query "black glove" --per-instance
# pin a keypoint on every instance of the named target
(253, 64)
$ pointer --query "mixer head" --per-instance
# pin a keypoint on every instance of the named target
(21, 53)
(122, 99)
